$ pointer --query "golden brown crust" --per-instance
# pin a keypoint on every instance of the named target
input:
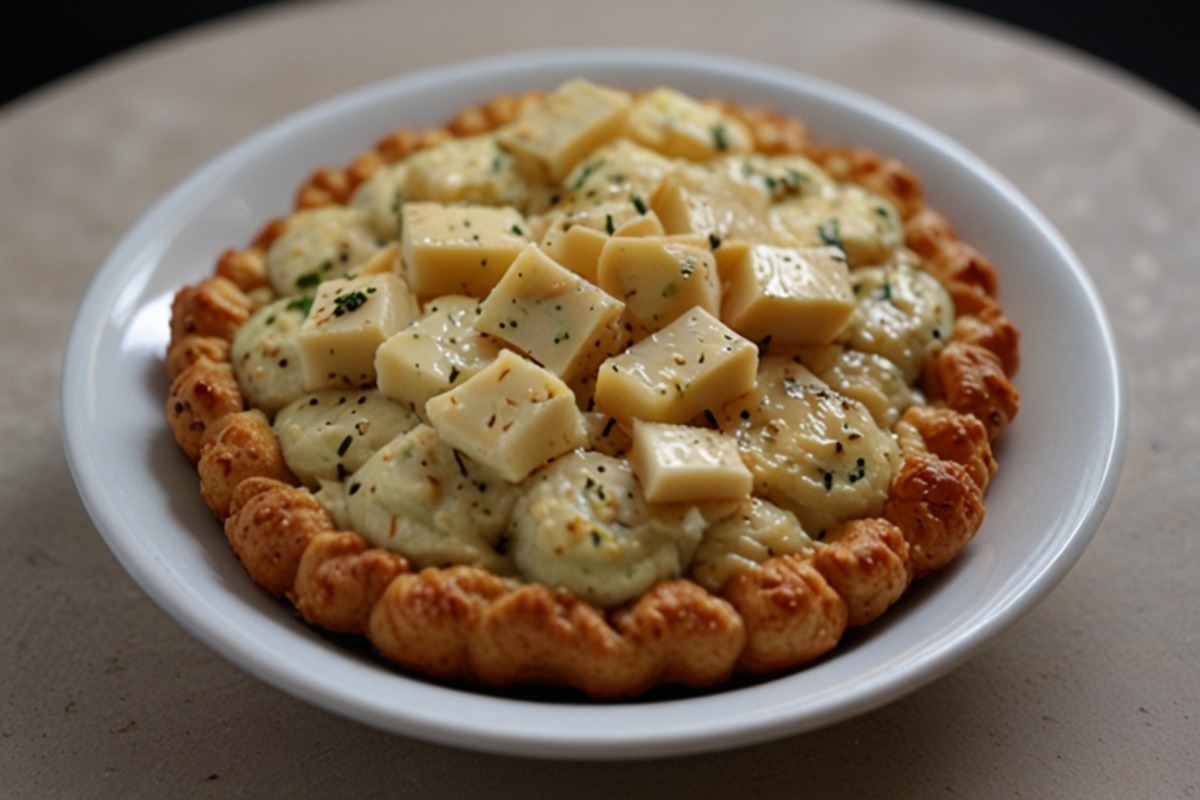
(200, 397)
(425, 621)
(791, 613)
(887, 177)
(463, 622)
(539, 634)
(773, 133)
(269, 233)
(685, 634)
(239, 446)
(340, 579)
(191, 348)
(951, 260)
(215, 307)
(499, 110)
(327, 186)
(270, 525)
(675, 633)
(970, 379)
(992, 331)
(866, 562)
(937, 506)
(246, 269)
(956, 437)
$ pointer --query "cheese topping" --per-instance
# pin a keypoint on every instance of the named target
(643, 351)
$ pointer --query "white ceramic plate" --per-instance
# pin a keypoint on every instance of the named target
(1043, 507)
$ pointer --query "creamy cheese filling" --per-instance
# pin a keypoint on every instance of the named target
(603, 346)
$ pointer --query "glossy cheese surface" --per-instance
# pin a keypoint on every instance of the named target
(603, 345)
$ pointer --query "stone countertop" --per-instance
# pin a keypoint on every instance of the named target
(1093, 694)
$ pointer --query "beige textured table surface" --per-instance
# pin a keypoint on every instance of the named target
(1094, 694)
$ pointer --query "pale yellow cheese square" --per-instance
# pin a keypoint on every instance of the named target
(348, 320)
(795, 296)
(658, 279)
(458, 249)
(549, 313)
(575, 236)
(512, 416)
(555, 134)
(465, 170)
(693, 365)
(685, 463)
(680, 126)
(432, 355)
(577, 248)
(711, 202)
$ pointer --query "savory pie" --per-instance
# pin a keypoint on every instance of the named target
(597, 388)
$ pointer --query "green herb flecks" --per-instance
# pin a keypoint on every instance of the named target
(586, 171)
(301, 304)
(349, 302)
(829, 233)
(720, 137)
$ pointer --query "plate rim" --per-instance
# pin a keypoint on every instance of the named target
(79, 363)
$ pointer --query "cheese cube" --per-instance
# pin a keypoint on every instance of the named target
(694, 364)
(683, 463)
(575, 235)
(513, 416)
(710, 201)
(795, 296)
(550, 314)
(551, 137)
(680, 126)
(576, 247)
(458, 249)
(386, 260)
(465, 170)
(348, 320)
(434, 354)
(658, 279)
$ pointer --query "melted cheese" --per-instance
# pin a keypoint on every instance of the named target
(265, 354)
(327, 435)
(318, 245)
(863, 224)
(756, 531)
(584, 525)
(903, 314)
(420, 497)
(812, 451)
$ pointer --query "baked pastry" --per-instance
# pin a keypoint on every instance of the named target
(599, 389)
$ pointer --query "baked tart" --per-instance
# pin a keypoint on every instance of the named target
(599, 389)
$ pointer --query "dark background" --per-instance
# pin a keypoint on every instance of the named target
(41, 40)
